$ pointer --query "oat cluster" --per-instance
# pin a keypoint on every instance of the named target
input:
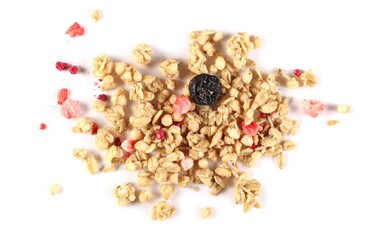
(207, 145)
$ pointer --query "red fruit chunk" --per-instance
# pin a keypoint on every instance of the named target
(252, 146)
(312, 108)
(62, 95)
(127, 155)
(43, 126)
(297, 72)
(263, 115)
(61, 66)
(178, 124)
(251, 129)
(117, 141)
(75, 30)
(160, 134)
(102, 97)
(181, 105)
(70, 109)
(129, 145)
(73, 69)
(95, 127)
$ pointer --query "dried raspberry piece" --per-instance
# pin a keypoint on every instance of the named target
(129, 145)
(181, 105)
(75, 30)
(61, 66)
(70, 109)
(117, 141)
(102, 97)
(263, 115)
(251, 129)
(312, 108)
(252, 146)
(100, 80)
(127, 155)
(73, 69)
(160, 134)
(62, 95)
(95, 127)
(178, 124)
(186, 163)
(297, 72)
(43, 126)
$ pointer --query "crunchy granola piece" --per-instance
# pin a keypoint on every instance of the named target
(205, 176)
(145, 196)
(92, 165)
(206, 212)
(238, 47)
(167, 120)
(80, 153)
(257, 42)
(119, 98)
(103, 139)
(139, 95)
(332, 122)
(169, 68)
(309, 78)
(145, 178)
(96, 15)
(108, 83)
(195, 188)
(288, 145)
(246, 191)
(344, 108)
(99, 106)
(128, 73)
(102, 66)
(167, 190)
(55, 189)
(196, 61)
(115, 115)
(162, 210)
(84, 125)
(292, 83)
(280, 160)
(142, 54)
(124, 194)
(114, 154)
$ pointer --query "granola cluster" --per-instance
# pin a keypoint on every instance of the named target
(176, 143)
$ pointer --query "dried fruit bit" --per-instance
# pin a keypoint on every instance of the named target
(312, 108)
(251, 129)
(62, 95)
(75, 30)
(95, 15)
(102, 97)
(95, 127)
(205, 89)
(61, 66)
(117, 142)
(124, 194)
(127, 155)
(70, 109)
(332, 122)
(55, 189)
(129, 145)
(160, 134)
(43, 126)
(263, 115)
(344, 108)
(186, 163)
(73, 69)
(162, 210)
(297, 72)
(181, 105)
(206, 212)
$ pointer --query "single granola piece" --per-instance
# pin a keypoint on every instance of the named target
(332, 122)
(119, 98)
(95, 15)
(84, 125)
(99, 106)
(169, 68)
(344, 108)
(103, 139)
(312, 108)
(162, 210)
(246, 192)
(167, 190)
(80, 153)
(142, 54)
(92, 165)
(55, 189)
(309, 78)
(238, 47)
(145, 196)
(124, 194)
(108, 83)
(280, 160)
(128, 73)
(102, 66)
(206, 212)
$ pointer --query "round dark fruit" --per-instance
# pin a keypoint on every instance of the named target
(205, 89)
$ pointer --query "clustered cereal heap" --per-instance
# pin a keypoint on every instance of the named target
(177, 143)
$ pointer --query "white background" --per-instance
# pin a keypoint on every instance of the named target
(326, 190)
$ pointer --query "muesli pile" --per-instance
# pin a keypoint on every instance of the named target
(180, 140)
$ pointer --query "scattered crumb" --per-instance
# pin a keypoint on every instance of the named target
(162, 210)
(55, 189)
(195, 188)
(96, 15)
(43, 126)
(332, 122)
(344, 108)
(206, 212)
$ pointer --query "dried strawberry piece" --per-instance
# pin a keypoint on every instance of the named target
(251, 129)
(95, 127)
(252, 146)
(186, 163)
(102, 97)
(75, 30)
(127, 155)
(297, 72)
(117, 141)
(61, 66)
(43, 126)
(62, 95)
(73, 69)
(181, 105)
(70, 109)
(129, 145)
(312, 108)
(160, 134)
(263, 115)
(178, 124)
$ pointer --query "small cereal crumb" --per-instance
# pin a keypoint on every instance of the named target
(95, 15)
(344, 108)
(280, 160)
(70, 109)
(124, 194)
(162, 211)
(312, 108)
(43, 126)
(206, 212)
(75, 30)
(195, 188)
(167, 190)
(55, 189)
(92, 165)
(332, 122)
(61, 65)
(62, 95)
(145, 196)
(73, 69)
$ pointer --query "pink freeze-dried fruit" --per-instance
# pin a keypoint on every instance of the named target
(129, 145)
(43, 126)
(73, 69)
(62, 95)
(186, 163)
(297, 72)
(160, 134)
(61, 66)
(70, 109)
(251, 129)
(312, 107)
(181, 105)
(75, 30)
